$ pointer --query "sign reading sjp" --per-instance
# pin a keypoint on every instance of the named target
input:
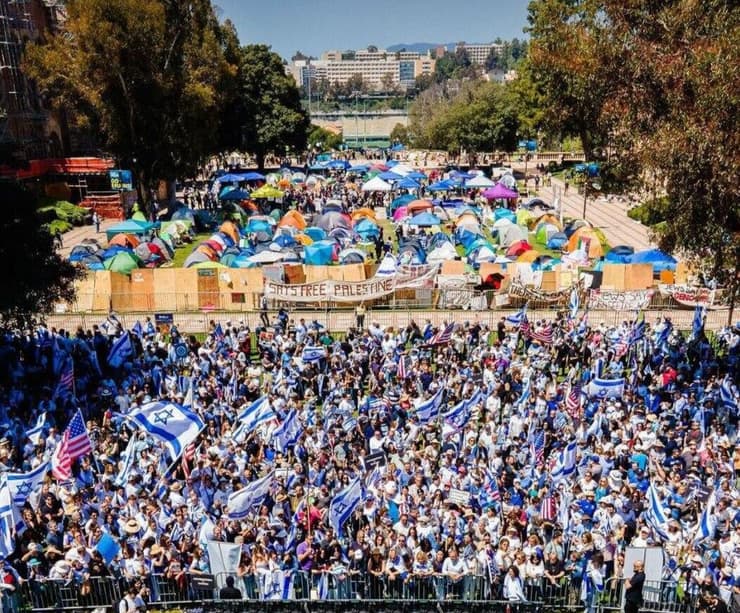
(121, 180)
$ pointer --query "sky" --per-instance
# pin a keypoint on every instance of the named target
(315, 26)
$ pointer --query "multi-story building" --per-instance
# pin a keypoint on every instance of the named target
(27, 129)
(380, 70)
(479, 52)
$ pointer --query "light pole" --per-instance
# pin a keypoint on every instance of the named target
(356, 94)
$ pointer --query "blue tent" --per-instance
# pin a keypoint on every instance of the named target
(438, 240)
(425, 219)
(411, 252)
(390, 176)
(401, 200)
(416, 175)
(130, 226)
(442, 186)
(407, 183)
(230, 178)
(398, 147)
(319, 253)
(366, 229)
(316, 234)
(557, 240)
(284, 240)
(621, 254)
(253, 176)
(258, 225)
(659, 259)
(504, 213)
(465, 236)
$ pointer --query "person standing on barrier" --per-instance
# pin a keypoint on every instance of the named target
(633, 588)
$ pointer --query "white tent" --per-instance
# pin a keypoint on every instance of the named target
(402, 169)
(376, 184)
(442, 253)
(511, 234)
(479, 181)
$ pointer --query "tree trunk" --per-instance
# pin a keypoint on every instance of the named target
(586, 143)
(260, 156)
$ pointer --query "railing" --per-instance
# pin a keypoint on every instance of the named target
(478, 592)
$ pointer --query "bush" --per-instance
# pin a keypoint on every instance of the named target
(64, 211)
(57, 226)
(651, 212)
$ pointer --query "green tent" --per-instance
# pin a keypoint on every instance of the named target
(139, 216)
(123, 262)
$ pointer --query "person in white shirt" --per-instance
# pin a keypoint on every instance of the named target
(455, 569)
(513, 588)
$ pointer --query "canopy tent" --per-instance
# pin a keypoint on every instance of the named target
(425, 220)
(407, 183)
(417, 175)
(389, 175)
(479, 181)
(338, 164)
(376, 184)
(130, 226)
(500, 191)
(659, 259)
(230, 178)
(267, 192)
(442, 186)
(235, 195)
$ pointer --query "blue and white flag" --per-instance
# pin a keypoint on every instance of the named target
(429, 409)
(565, 464)
(387, 267)
(170, 423)
(22, 485)
(287, 434)
(121, 350)
(128, 459)
(313, 354)
(697, 324)
(277, 585)
(7, 524)
(526, 392)
(34, 433)
(708, 521)
(606, 388)
(476, 398)
(322, 589)
(241, 501)
(655, 515)
(256, 414)
(574, 303)
(517, 318)
(344, 504)
(459, 415)
(728, 394)
(138, 329)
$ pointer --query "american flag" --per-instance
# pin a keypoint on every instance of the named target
(187, 457)
(543, 336)
(401, 373)
(443, 336)
(573, 400)
(524, 326)
(538, 446)
(490, 486)
(66, 382)
(75, 443)
(549, 508)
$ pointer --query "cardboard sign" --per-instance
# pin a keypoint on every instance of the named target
(375, 459)
(459, 497)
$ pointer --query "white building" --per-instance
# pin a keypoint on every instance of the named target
(479, 52)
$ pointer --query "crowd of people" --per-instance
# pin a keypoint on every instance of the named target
(512, 462)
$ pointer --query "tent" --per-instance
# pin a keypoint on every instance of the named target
(467, 219)
(501, 213)
(511, 234)
(425, 220)
(402, 200)
(124, 240)
(92, 262)
(659, 259)
(352, 256)
(621, 254)
(332, 219)
(411, 252)
(129, 226)
(401, 213)
(523, 217)
(367, 229)
(258, 225)
(466, 235)
(315, 233)
(79, 252)
(229, 229)
(407, 183)
(123, 262)
(479, 181)
(417, 206)
(253, 176)
(482, 253)
(527, 257)
(499, 191)
(389, 175)
(438, 239)
(544, 232)
(294, 219)
(376, 184)
(319, 253)
(546, 218)
(441, 253)
(183, 214)
(573, 225)
(363, 212)
(442, 186)
(338, 164)
(557, 241)
(588, 241)
(517, 248)
(235, 195)
(267, 192)
(230, 178)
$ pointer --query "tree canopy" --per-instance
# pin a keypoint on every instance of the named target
(38, 278)
(145, 73)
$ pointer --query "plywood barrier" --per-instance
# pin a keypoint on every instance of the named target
(315, 273)
(85, 288)
(549, 281)
(667, 277)
(142, 289)
(294, 273)
(453, 267)
(638, 276)
(613, 277)
(102, 296)
(165, 289)
(120, 286)
(186, 286)
(353, 272)
(489, 268)
(683, 272)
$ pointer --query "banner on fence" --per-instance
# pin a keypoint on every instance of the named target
(349, 291)
(619, 301)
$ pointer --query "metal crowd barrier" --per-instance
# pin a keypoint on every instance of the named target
(345, 589)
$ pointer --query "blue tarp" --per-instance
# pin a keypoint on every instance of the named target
(659, 259)
(557, 240)
(319, 253)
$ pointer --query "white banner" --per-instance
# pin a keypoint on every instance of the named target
(634, 300)
(349, 291)
(223, 559)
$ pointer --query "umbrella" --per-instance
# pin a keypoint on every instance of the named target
(235, 194)
(376, 184)
(230, 178)
(425, 220)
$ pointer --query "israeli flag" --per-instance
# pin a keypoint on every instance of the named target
(22, 485)
(565, 464)
(524, 398)
(313, 354)
(574, 302)
(476, 398)
(344, 504)
(707, 522)
(387, 267)
(728, 394)
(277, 585)
(128, 458)
(138, 329)
(287, 433)
(7, 525)
(517, 318)
(173, 425)
(121, 350)
(458, 416)
(322, 589)
(606, 388)
(429, 409)
(241, 501)
(34, 433)
(655, 514)
(256, 414)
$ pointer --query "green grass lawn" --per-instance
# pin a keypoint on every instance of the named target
(182, 252)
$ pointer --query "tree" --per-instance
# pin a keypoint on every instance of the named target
(145, 74)
(323, 138)
(400, 134)
(38, 278)
(271, 118)
(388, 83)
(356, 84)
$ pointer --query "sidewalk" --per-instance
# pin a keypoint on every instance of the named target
(76, 235)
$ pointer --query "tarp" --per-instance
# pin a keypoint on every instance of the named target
(659, 259)
(319, 253)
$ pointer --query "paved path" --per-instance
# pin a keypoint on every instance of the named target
(76, 235)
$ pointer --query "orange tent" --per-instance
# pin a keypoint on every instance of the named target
(415, 206)
(229, 228)
(303, 239)
(364, 212)
(546, 218)
(294, 219)
(585, 238)
(528, 256)
(284, 183)
(467, 219)
(124, 240)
